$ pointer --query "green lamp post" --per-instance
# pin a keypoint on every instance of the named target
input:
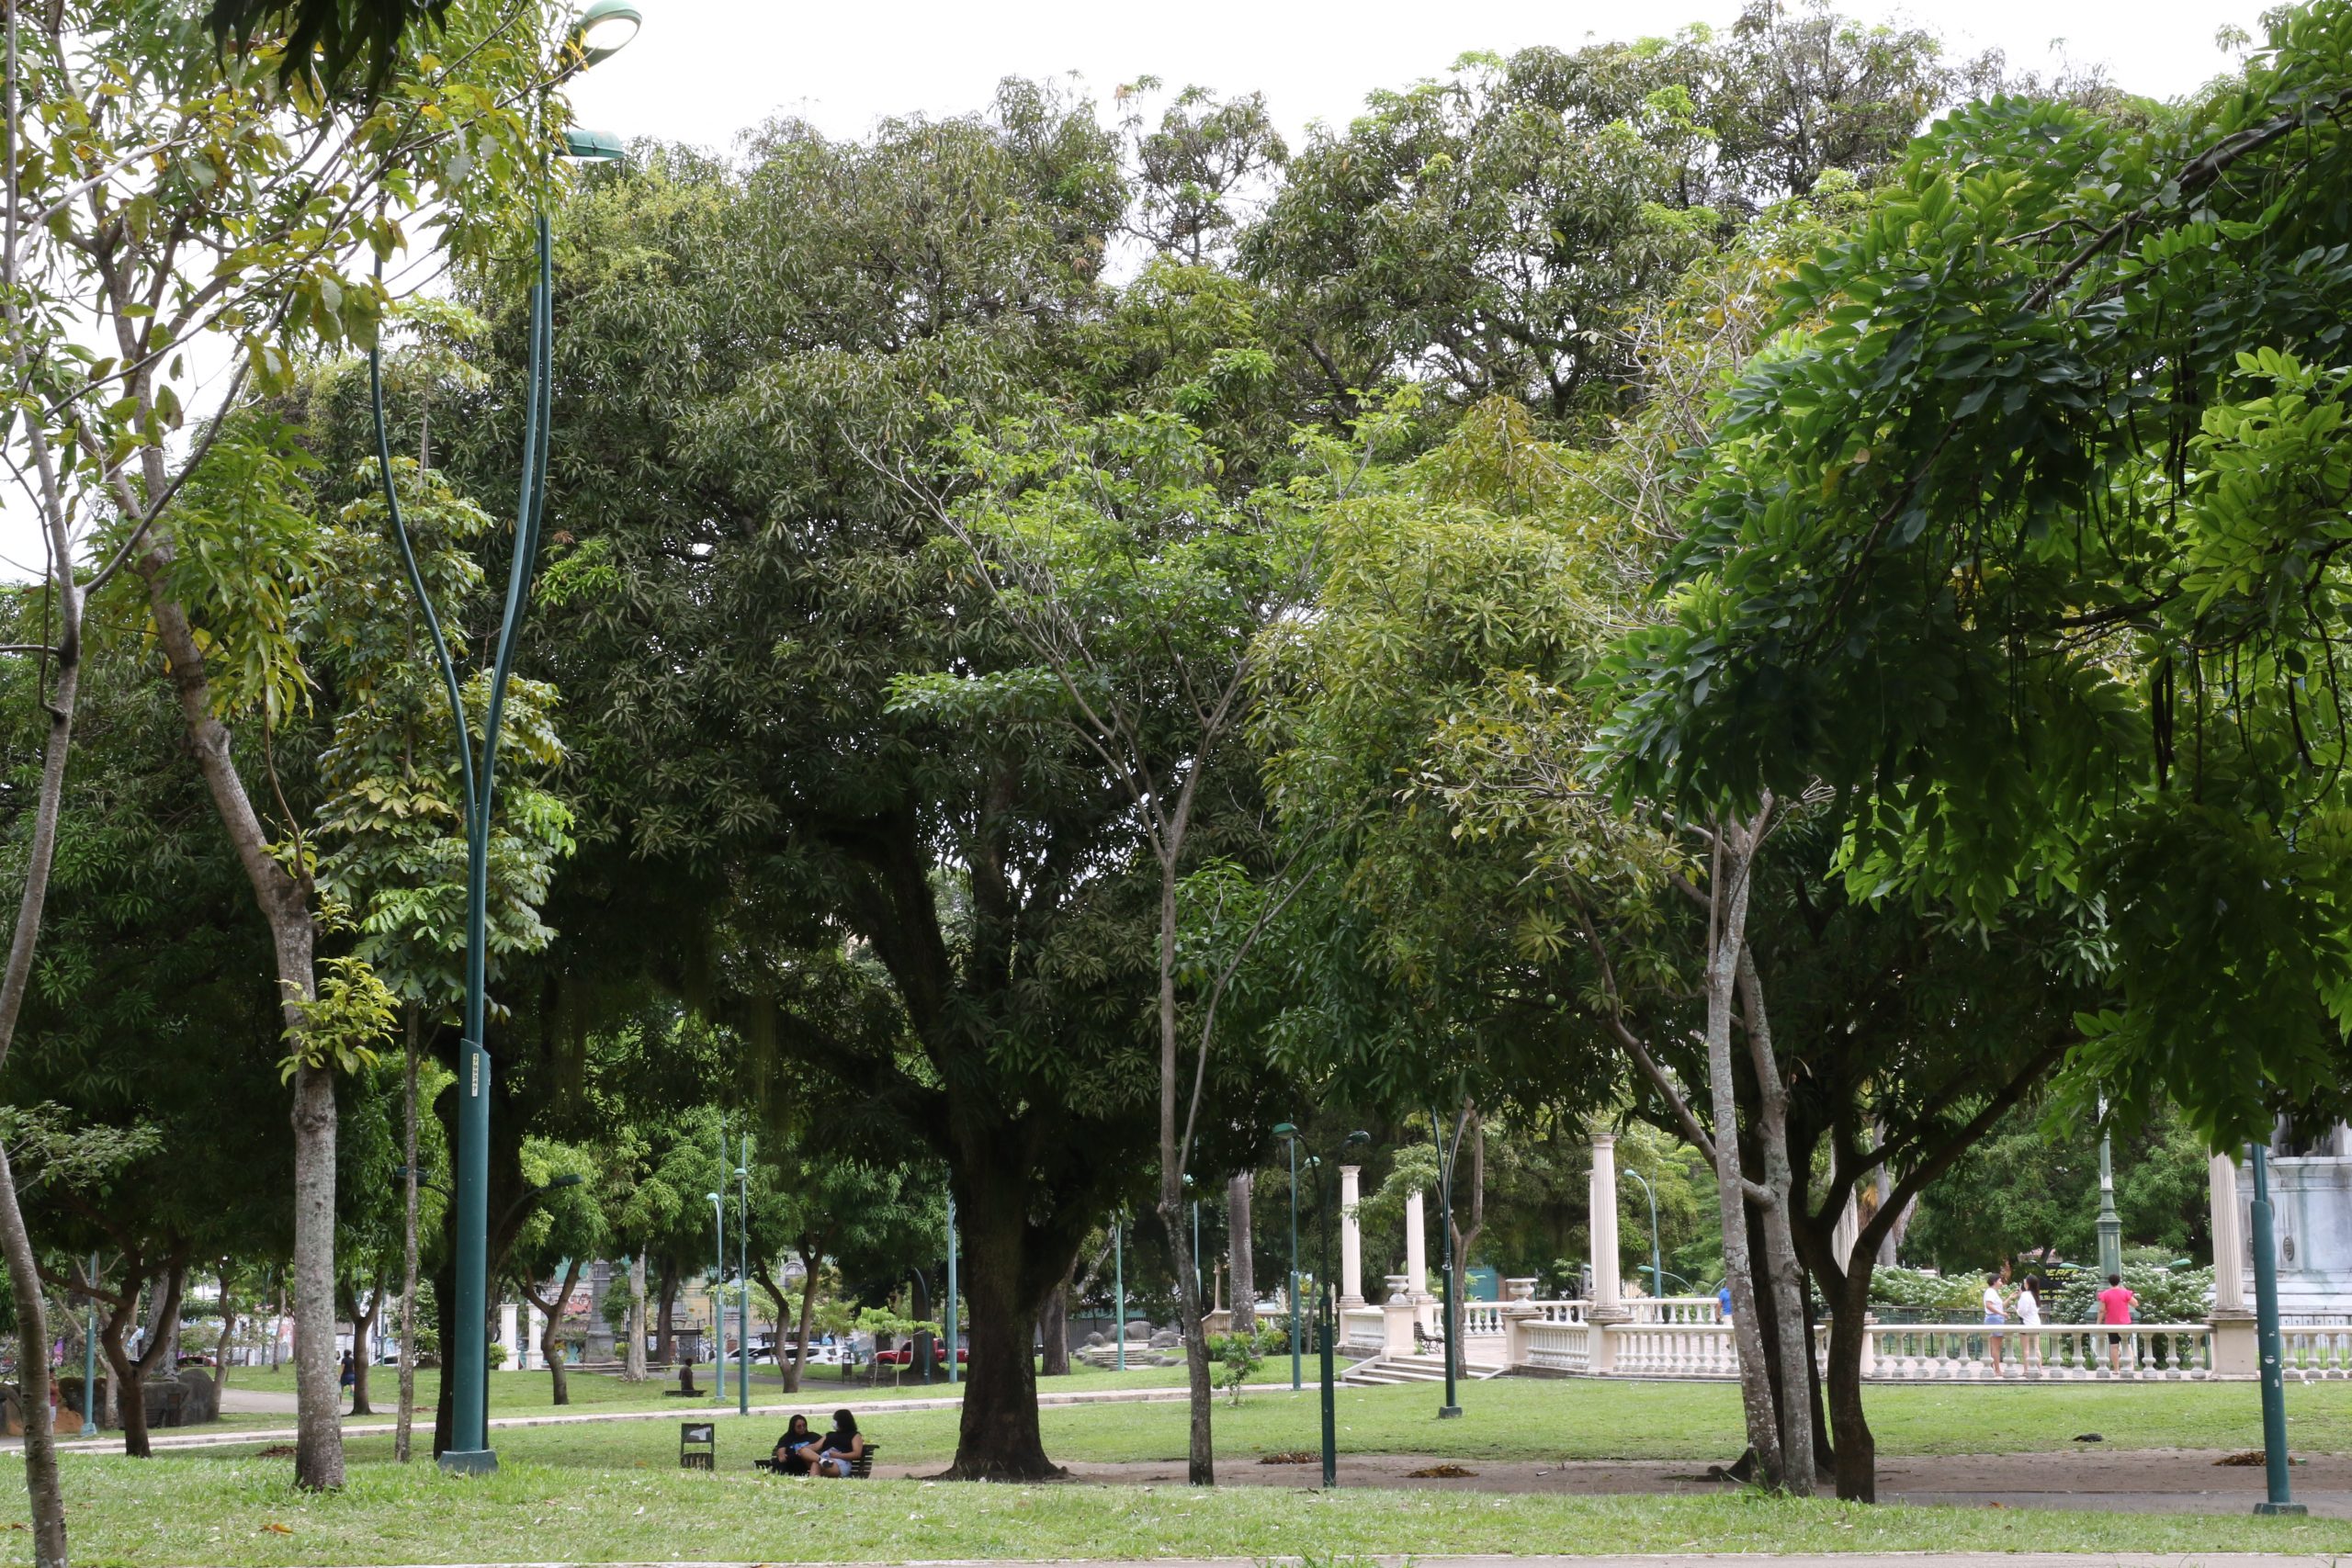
(1447, 1149)
(743, 1281)
(90, 1359)
(1327, 1320)
(604, 29)
(718, 1294)
(1288, 1131)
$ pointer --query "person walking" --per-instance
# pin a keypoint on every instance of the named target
(1996, 1315)
(2028, 1305)
(2115, 1305)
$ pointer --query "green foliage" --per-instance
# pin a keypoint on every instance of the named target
(2166, 1295)
(1985, 545)
(1956, 1297)
(342, 1024)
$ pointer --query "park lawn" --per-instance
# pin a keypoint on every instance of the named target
(1516, 1419)
(532, 1393)
(247, 1514)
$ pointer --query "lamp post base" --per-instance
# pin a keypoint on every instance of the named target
(1448, 1411)
(470, 1462)
(2295, 1509)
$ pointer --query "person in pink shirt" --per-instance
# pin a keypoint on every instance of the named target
(2115, 1305)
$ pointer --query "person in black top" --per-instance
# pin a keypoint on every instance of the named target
(842, 1446)
(796, 1451)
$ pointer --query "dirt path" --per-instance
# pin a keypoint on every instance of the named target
(2137, 1481)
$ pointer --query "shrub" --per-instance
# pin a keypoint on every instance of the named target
(1238, 1356)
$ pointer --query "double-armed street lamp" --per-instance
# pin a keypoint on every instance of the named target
(1447, 1149)
(603, 30)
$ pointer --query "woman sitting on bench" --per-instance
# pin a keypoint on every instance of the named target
(842, 1446)
(796, 1451)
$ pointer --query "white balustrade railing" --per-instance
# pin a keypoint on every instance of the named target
(1552, 1339)
(1481, 1320)
(1673, 1349)
(1559, 1346)
(1363, 1328)
(2316, 1350)
(1676, 1309)
(1932, 1352)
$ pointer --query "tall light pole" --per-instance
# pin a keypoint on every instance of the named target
(1327, 1321)
(2110, 1223)
(743, 1277)
(718, 1294)
(90, 1359)
(1658, 1262)
(1288, 1131)
(603, 30)
(2280, 1498)
(1119, 1277)
(1447, 1149)
(949, 1320)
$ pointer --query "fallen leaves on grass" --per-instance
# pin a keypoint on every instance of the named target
(2251, 1456)
(274, 1527)
(1439, 1472)
(1294, 1456)
(277, 1450)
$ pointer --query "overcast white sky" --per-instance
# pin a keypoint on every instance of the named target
(704, 70)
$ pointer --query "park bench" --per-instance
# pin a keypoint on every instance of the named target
(860, 1469)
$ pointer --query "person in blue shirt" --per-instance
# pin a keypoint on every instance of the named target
(1723, 1300)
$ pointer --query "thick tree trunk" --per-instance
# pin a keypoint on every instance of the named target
(633, 1358)
(997, 1436)
(665, 1342)
(1240, 1250)
(1053, 1333)
(404, 1427)
(285, 903)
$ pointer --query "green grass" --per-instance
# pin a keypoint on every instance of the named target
(532, 1393)
(247, 1512)
(1523, 1418)
(611, 1491)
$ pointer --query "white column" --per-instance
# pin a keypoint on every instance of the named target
(1606, 1293)
(2229, 1236)
(1351, 1238)
(1417, 1252)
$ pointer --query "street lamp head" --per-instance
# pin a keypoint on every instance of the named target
(569, 1179)
(713, 1197)
(1356, 1137)
(1285, 1130)
(594, 147)
(606, 29)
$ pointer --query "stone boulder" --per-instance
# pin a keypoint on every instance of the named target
(1138, 1328)
(202, 1402)
(1166, 1337)
(1094, 1338)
